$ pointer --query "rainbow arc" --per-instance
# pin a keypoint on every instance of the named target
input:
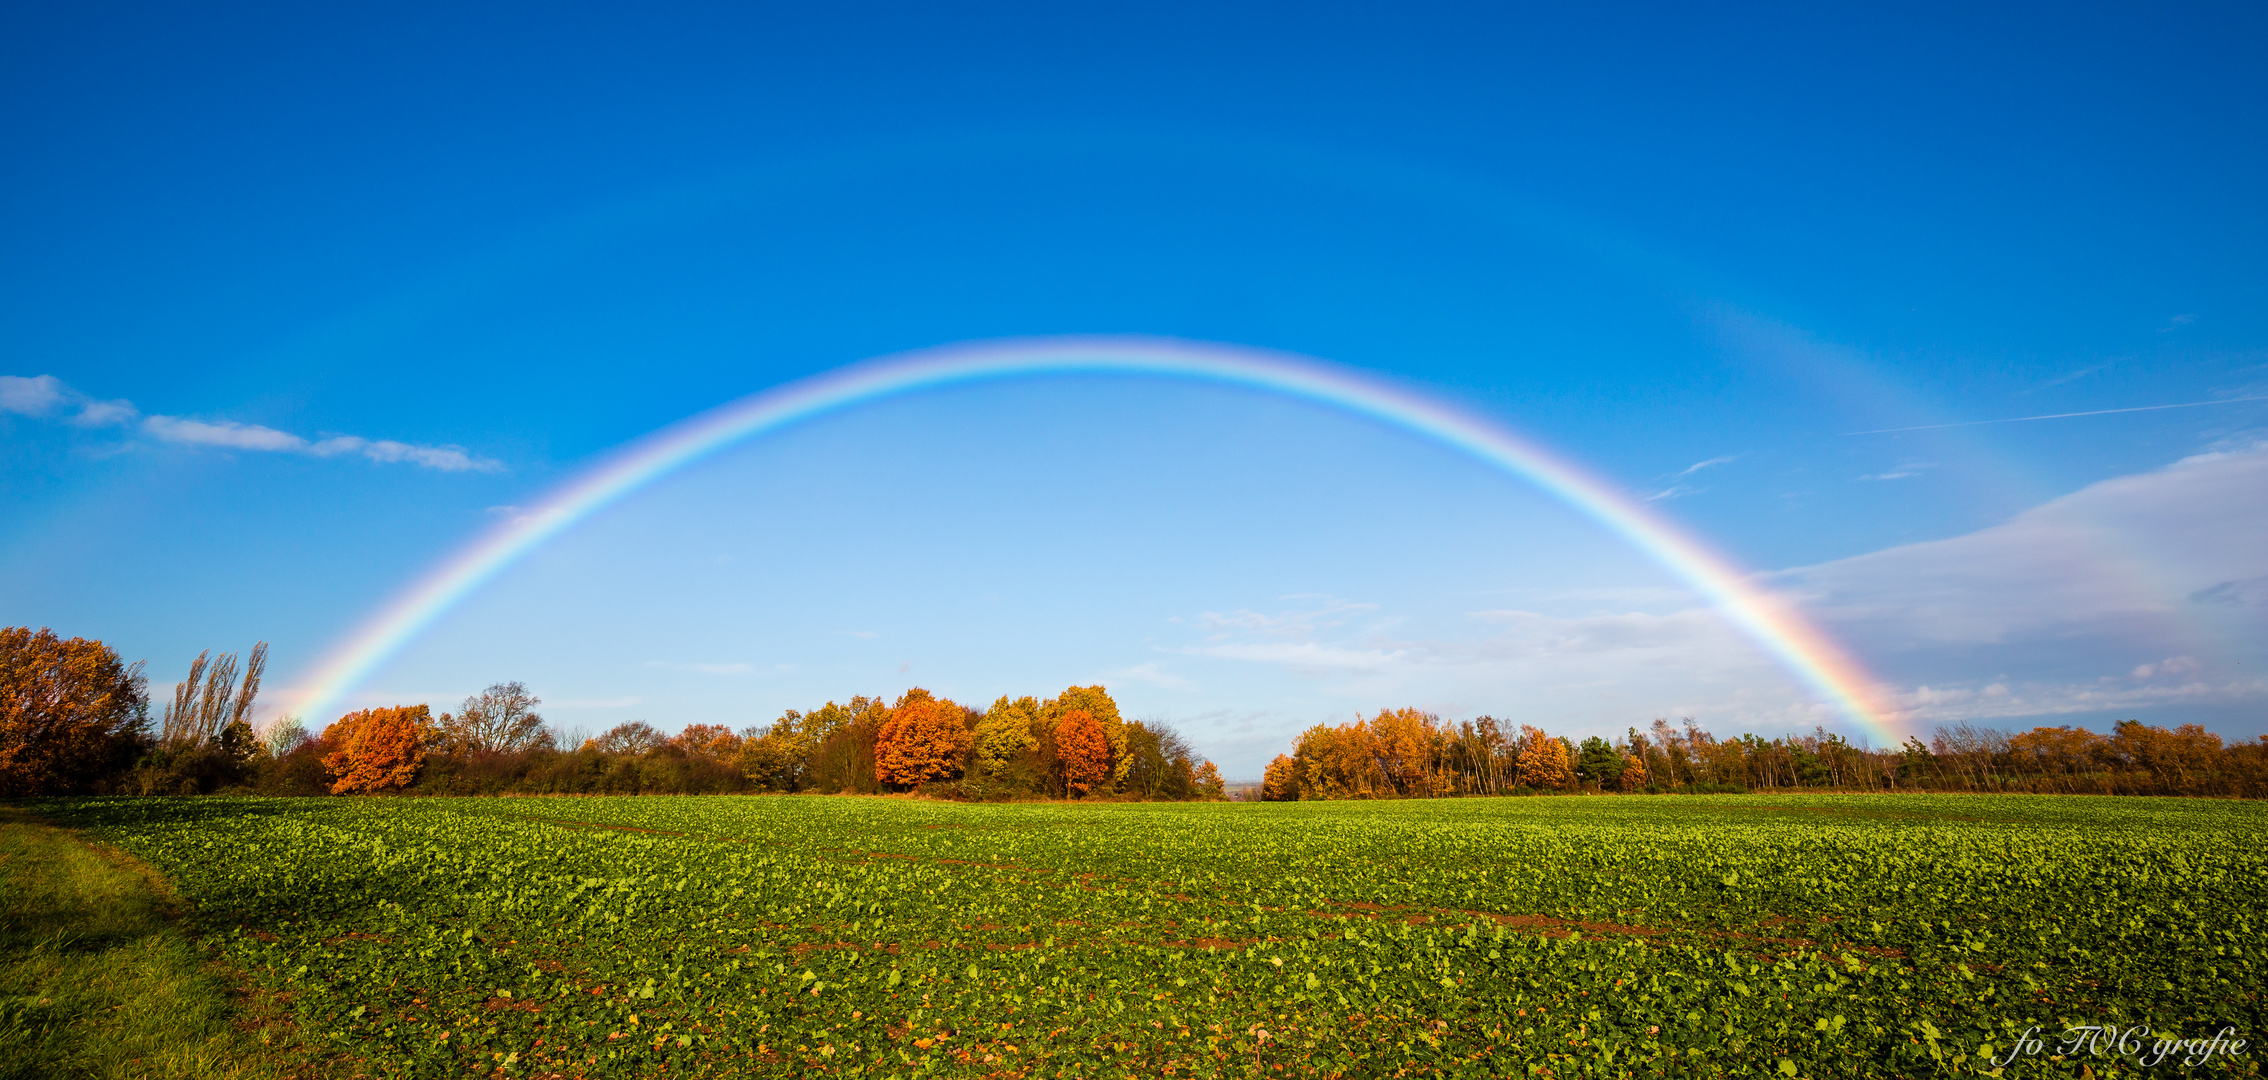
(1777, 627)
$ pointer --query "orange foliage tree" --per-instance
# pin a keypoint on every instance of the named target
(1083, 749)
(924, 739)
(1209, 782)
(1338, 763)
(1407, 744)
(68, 709)
(1543, 760)
(1096, 702)
(708, 740)
(1633, 772)
(376, 749)
(1281, 782)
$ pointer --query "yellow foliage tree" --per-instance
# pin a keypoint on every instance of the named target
(376, 749)
(1006, 731)
(1338, 763)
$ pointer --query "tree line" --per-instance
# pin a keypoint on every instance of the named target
(75, 718)
(1405, 753)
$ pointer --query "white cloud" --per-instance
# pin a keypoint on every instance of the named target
(34, 396)
(43, 394)
(227, 433)
(2144, 592)
(2143, 595)
(105, 413)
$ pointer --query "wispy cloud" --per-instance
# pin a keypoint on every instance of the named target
(2071, 376)
(48, 396)
(1152, 673)
(1679, 491)
(1902, 471)
(1700, 465)
(2066, 415)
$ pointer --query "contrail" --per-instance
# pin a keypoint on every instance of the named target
(2060, 415)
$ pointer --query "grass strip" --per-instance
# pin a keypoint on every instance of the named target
(97, 977)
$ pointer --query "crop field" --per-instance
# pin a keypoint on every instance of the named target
(1612, 936)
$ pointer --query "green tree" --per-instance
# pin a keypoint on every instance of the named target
(1598, 762)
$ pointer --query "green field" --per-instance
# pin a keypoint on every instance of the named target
(1791, 935)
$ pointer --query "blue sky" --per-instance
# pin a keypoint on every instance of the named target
(292, 300)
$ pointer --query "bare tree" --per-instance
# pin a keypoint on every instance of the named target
(500, 718)
(209, 701)
(635, 737)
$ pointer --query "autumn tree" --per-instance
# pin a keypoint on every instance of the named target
(1281, 782)
(376, 749)
(1339, 763)
(1161, 763)
(1633, 772)
(1407, 746)
(69, 711)
(843, 760)
(1544, 761)
(501, 718)
(1097, 704)
(2058, 749)
(1209, 782)
(1083, 748)
(707, 740)
(1007, 730)
(780, 757)
(924, 739)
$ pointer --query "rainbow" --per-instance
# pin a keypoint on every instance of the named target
(1808, 654)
